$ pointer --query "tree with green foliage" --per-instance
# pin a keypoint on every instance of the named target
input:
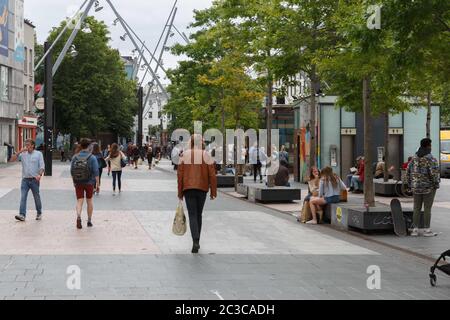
(364, 62)
(91, 91)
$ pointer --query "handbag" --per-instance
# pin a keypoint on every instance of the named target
(179, 222)
(123, 163)
(306, 213)
(344, 195)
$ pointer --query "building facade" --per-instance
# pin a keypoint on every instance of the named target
(340, 136)
(154, 117)
(11, 71)
(28, 124)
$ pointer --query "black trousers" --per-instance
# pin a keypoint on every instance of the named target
(195, 202)
(117, 175)
(256, 170)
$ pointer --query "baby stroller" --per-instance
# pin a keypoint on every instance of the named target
(444, 268)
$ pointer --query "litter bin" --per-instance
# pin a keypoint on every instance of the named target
(10, 151)
(3, 154)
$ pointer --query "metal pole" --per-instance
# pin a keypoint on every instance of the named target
(57, 38)
(182, 35)
(137, 48)
(48, 111)
(162, 51)
(72, 37)
(69, 42)
(139, 135)
(160, 38)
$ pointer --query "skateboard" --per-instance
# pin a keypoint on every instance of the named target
(398, 219)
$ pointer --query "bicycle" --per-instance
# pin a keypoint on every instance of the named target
(402, 188)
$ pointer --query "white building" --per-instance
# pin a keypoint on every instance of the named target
(153, 114)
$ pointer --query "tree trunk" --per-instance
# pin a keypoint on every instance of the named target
(369, 196)
(386, 147)
(270, 178)
(312, 120)
(428, 125)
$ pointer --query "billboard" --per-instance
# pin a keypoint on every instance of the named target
(4, 32)
(19, 35)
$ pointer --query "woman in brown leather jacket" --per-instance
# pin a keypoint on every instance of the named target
(196, 176)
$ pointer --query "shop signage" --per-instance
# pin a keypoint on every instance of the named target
(28, 121)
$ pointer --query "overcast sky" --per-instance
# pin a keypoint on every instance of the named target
(146, 17)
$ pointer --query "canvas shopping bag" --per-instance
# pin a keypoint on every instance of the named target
(306, 214)
(179, 223)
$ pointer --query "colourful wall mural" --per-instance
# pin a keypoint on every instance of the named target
(4, 32)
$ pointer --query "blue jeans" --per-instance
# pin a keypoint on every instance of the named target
(25, 187)
(356, 183)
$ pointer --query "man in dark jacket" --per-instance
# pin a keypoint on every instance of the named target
(423, 179)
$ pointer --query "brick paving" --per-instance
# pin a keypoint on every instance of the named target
(248, 251)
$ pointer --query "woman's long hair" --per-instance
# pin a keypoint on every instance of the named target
(114, 150)
(96, 149)
(328, 175)
(311, 173)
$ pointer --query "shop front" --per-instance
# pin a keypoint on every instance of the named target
(27, 127)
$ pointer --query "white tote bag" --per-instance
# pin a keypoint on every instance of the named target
(179, 223)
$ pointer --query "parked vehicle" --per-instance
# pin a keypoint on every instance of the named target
(445, 153)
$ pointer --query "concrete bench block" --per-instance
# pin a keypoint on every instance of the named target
(227, 181)
(386, 189)
(242, 189)
(276, 194)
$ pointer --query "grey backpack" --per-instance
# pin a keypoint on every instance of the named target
(81, 172)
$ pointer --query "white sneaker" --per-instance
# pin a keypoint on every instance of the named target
(312, 222)
(415, 232)
(429, 233)
(114, 193)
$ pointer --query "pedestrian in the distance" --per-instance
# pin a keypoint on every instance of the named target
(33, 168)
(101, 164)
(116, 158)
(150, 156)
(423, 179)
(136, 156)
(194, 182)
(85, 175)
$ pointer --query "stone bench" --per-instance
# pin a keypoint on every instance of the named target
(262, 193)
(347, 216)
(227, 181)
(386, 189)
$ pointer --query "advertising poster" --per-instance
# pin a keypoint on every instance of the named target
(4, 12)
(19, 36)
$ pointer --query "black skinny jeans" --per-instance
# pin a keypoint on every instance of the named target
(117, 175)
(195, 202)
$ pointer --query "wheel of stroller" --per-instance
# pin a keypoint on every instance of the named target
(433, 280)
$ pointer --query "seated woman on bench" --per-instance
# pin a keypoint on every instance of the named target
(330, 188)
(313, 190)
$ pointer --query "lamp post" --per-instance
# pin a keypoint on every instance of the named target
(48, 110)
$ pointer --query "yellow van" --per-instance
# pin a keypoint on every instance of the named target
(445, 153)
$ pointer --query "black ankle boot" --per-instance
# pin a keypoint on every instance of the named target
(195, 246)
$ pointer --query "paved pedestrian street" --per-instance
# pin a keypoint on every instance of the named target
(247, 251)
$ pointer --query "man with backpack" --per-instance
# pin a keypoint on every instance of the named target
(85, 175)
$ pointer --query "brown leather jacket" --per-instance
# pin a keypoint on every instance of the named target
(196, 176)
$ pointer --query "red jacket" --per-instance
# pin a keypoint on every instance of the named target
(361, 170)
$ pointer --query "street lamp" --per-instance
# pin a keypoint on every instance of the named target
(124, 37)
(97, 6)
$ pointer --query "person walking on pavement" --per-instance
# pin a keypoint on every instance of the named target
(117, 159)
(423, 179)
(194, 182)
(136, 155)
(85, 174)
(106, 153)
(101, 164)
(33, 168)
(150, 156)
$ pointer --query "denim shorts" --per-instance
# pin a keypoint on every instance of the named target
(333, 199)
